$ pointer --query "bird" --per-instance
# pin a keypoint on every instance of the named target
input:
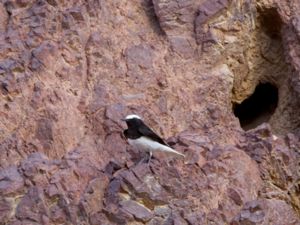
(144, 138)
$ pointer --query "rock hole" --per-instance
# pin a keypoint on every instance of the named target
(259, 107)
(271, 22)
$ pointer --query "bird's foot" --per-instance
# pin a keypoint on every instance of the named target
(150, 156)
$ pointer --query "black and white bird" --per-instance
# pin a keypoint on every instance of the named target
(142, 137)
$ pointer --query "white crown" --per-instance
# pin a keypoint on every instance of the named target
(132, 116)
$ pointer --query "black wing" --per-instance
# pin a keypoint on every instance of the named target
(146, 131)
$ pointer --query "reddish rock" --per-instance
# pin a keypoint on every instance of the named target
(70, 70)
(140, 55)
(44, 132)
(139, 211)
(207, 10)
(5, 209)
(11, 181)
(263, 212)
(93, 196)
(183, 46)
(32, 206)
(175, 15)
(4, 15)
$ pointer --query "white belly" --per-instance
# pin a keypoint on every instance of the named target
(147, 144)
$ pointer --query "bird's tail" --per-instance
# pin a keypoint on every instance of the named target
(171, 150)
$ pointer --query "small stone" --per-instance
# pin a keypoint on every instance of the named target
(138, 210)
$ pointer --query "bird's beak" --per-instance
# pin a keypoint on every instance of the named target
(123, 119)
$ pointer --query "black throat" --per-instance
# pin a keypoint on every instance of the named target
(133, 129)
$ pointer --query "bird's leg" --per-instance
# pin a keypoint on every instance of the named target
(144, 159)
(141, 161)
(150, 155)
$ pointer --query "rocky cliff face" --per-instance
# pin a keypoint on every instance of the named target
(69, 70)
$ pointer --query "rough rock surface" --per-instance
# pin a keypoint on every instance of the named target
(70, 70)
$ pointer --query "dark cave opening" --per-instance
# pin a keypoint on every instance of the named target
(259, 107)
(271, 22)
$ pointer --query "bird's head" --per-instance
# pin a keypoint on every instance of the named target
(132, 120)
